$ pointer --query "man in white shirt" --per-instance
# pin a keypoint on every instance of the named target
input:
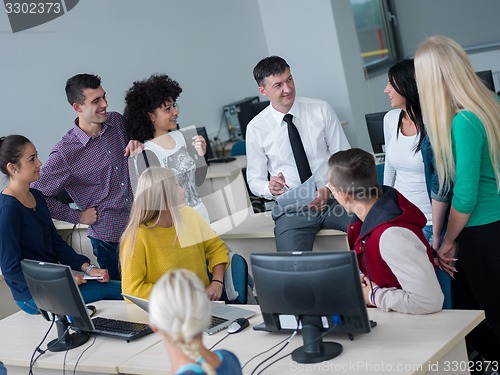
(269, 153)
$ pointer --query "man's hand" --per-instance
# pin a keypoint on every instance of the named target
(367, 289)
(133, 148)
(277, 185)
(89, 216)
(323, 195)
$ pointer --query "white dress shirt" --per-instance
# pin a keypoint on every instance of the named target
(269, 150)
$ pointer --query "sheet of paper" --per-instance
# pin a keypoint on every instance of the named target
(299, 196)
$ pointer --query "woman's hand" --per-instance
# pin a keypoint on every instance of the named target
(214, 291)
(199, 144)
(447, 256)
(100, 272)
(79, 279)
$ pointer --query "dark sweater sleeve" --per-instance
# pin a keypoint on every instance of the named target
(65, 254)
(10, 251)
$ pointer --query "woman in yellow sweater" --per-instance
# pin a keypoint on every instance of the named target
(163, 234)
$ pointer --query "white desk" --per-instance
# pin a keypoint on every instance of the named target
(21, 333)
(400, 344)
(247, 233)
(220, 175)
(76, 238)
(225, 192)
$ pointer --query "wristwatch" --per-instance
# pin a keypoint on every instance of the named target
(89, 268)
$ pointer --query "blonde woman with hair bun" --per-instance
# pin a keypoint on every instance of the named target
(163, 234)
(179, 311)
(462, 119)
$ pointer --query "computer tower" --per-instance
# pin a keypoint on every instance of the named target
(238, 115)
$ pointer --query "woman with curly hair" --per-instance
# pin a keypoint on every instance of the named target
(151, 117)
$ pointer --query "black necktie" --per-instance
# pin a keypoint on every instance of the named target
(298, 150)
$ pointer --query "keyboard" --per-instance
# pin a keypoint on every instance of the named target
(120, 328)
(216, 321)
(226, 159)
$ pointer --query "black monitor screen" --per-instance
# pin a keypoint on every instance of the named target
(315, 292)
(375, 124)
(487, 77)
(55, 292)
(209, 154)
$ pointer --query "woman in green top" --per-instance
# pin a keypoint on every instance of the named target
(462, 119)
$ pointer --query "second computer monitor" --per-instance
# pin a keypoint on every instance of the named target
(313, 292)
(54, 290)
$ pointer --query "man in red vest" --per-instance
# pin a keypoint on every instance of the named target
(394, 258)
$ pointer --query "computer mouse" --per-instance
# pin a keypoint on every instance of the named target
(92, 310)
(238, 325)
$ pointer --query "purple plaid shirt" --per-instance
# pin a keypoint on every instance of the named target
(94, 172)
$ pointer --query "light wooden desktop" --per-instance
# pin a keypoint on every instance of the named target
(21, 333)
(246, 232)
(399, 344)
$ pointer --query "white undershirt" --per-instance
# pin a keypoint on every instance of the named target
(404, 169)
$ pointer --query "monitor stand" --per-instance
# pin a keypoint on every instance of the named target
(314, 349)
(65, 340)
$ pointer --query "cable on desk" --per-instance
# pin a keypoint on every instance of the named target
(38, 348)
(286, 355)
(80, 357)
(218, 342)
(264, 352)
(69, 238)
(272, 355)
(273, 362)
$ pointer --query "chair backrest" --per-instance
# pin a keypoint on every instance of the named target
(236, 279)
(239, 148)
(375, 125)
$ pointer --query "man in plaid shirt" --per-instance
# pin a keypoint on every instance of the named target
(90, 164)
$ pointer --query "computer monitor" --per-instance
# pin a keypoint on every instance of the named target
(259, 106)
(487, 77)
(375, 125)
(238, 115)
(209, 154)
(319, 292)
(55, 293)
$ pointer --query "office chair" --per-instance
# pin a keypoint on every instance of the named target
(237, 286)
(239, 148)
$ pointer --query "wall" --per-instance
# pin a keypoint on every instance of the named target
(319, 42)
(470, 23)
(210, 47)
(418, 20)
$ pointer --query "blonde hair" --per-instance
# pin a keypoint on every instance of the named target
(180, 309)
(156, 194)
(447, 84)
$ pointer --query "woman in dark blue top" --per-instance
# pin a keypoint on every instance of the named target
(27, 230)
